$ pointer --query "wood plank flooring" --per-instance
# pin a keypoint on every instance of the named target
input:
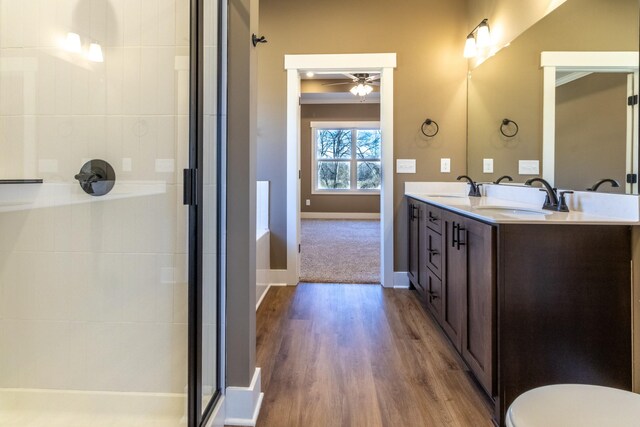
(359, 355)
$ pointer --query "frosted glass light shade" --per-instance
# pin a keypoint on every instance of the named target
(73, 43)
(95, 53)
(470, 49)
(484, 38)
(361, 89)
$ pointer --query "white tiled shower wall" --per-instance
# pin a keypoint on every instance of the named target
(93, 294)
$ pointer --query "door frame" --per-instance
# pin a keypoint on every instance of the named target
(604, 62)
(385, 63)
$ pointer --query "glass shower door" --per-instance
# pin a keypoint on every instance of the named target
(95, 132)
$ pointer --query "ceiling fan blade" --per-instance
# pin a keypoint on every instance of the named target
(337, 84)
(351, 76)
(373, 78)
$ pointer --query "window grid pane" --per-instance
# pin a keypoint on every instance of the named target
(333, 144)
(334, 175)
(368, 144)
(369, 177)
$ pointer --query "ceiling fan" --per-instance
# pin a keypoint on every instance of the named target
(362, 83)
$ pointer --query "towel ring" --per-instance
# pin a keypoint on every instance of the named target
(505, 123)
(426, 123)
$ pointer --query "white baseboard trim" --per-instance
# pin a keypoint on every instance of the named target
(401, 280)
(262, 296)
(339, 215)
(242, 404)
(278, 277)
(218, 415)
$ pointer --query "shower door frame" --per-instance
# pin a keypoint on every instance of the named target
(198, 417)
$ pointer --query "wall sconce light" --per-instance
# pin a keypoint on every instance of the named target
(73, 43)
(479, 38)
(95, 53)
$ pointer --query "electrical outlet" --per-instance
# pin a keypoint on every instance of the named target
(445, 165)
(308, 202)
(487, 165)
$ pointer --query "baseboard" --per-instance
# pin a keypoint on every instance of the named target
(339, 215)
(242, 404)
(401, 280)
(262, 296)
(278, 277)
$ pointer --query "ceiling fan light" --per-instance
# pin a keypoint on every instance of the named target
(354, 90)
(484, 37)
(470, 49)
(368, 89)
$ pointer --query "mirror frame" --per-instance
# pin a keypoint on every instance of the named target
(610, 62)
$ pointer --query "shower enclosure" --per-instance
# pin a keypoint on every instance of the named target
(110, 158)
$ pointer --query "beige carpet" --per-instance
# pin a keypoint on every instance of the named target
(340, 251)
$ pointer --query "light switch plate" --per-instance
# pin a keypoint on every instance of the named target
(405, 165)
(165, 165)
(445, 165)
(308, 202)
(487, 165)
(529, 167)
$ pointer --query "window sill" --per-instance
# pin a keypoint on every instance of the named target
(345, 193)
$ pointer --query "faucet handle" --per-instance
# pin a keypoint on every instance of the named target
(562, 203)
(547, 200)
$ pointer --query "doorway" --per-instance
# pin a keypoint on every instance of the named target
(297, 64)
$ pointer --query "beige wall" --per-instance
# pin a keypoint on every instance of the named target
(326, 202)
(507, 18)
(428, 37)
(591, 129)
(510, 83)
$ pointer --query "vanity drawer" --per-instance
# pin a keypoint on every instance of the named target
(433, 252)
(433, 218)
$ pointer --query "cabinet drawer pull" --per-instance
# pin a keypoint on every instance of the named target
(433, 295)
(433, 218)
(458, 241)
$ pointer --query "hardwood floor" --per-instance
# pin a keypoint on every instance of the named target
(359, 355)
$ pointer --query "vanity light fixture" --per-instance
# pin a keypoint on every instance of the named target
(95, 53)
(479, 38)
(73, 43)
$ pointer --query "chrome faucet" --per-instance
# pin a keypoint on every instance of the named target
(499, 180)
(613, 183)
(474, 190)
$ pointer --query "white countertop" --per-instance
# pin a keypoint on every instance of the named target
(468, 206)
(586, 208)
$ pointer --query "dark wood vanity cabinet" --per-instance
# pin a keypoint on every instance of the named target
(414, 207)
(527, 305)
(468, 314)
(452, 266)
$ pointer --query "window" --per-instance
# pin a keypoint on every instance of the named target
(346, 157)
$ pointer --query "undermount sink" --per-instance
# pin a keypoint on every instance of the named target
(460, 196)
(513, 210)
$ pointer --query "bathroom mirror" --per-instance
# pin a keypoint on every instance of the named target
(511, 85)
(588, 119)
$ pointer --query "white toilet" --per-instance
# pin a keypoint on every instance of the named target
(575, 405)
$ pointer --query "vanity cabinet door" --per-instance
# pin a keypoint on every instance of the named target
(414, 208)
(478, 337)
(455, 277)
(433, 286)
